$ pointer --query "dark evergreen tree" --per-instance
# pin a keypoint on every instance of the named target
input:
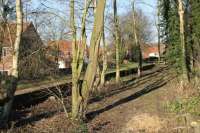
(195, 27)
(170, 33)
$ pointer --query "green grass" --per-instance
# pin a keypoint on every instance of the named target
(190, 105)
(124, 67)
(47, 80)
(60, 78)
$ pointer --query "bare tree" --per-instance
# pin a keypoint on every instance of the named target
(136, 40)
(158, 29)
(117, 40)
(10, 83)
(81, 92)
(93, 51)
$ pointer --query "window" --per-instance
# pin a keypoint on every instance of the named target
(5, 51)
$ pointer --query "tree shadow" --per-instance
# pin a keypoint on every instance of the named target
(126, 86)
(34, 98)
(133, 83)
(154, 86)
(35, 118)
(24, 103)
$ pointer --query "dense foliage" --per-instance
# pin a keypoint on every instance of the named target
(170, 32)
(195, 31)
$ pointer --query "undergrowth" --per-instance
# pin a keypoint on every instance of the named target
(190, 105)
(187, 99)
(82, 128)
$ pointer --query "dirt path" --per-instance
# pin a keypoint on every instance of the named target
(144, 98)
(136, 104)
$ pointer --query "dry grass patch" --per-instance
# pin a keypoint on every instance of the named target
(145, 123)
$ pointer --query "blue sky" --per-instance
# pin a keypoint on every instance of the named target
(147, 6)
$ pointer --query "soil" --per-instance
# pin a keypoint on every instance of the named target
(135, 106)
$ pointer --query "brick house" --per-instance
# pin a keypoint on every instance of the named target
(61, 53)
(151, 51)
(32, 57)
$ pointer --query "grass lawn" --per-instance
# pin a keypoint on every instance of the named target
(62, 78)
(47, 80)
(124, 67)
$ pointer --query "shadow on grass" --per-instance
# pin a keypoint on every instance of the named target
(133, 83)
(126, 86)
(24, 103)
(35, 118)
(155, 85)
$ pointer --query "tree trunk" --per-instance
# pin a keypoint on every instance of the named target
(95, 88)
(75, 91)
(117, 41)
(158, 29)
(80, 92)
(136, 40)
(102, 82)
(9, 84)
(183, 43)
(93, 57)
(78, 51)
(159, 54)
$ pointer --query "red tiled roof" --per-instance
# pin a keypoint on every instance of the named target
(147, 49)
